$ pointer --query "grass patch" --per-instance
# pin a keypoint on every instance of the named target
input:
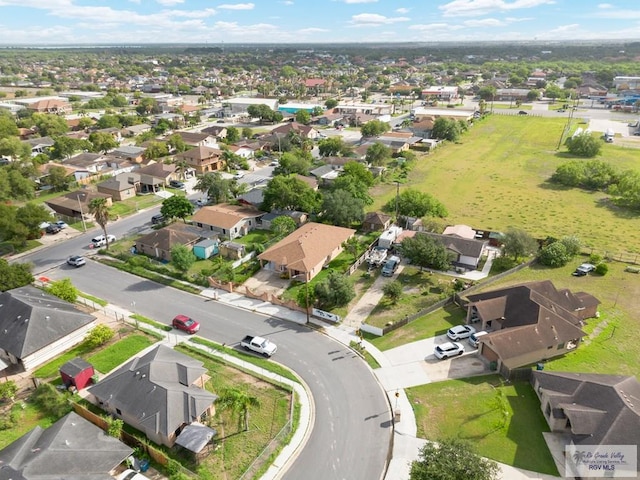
(436, 323)
(503, 421)
(26, 416)
(117, 353)
(156, 277)
(261, 237)
(141, 318)
(96, 300)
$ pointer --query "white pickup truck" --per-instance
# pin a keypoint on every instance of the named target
(259, 345)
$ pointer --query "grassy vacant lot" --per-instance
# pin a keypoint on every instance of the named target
(497, 178)
(503, 421)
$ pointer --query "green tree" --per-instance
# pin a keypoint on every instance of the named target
(335, 291)
(63, 289)
(359, 172)
(58, 178)
(331, 103)
(8, 127)
(109, 121)
(282, 226)
(102, 142)
(572, 245)
(303, 116)
(357, 188)
(99, 208)
(341, 208)
(426, 252)
(373, 128)
(98, 336)
(627, 191)
(176, 206)
(177, 144)
(295, 161)
(286, 192)
(217, 188)
(446, 129)
(553, 91)
(451, 459)
(554, 255)
(414, 203)
(31, 215)
(247, 132)
(14, 275)
(393, 290)
(378, 154)
(584, 145)
(50, 125)
(518, 244)
(12, 147)
(8, 390)
(182, 257)
(487, 93)
(233, 135)
(333, 146)
(156, 150)
(65, 147)
(238, 402)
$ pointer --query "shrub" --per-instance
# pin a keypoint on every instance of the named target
(502, 264)
(554, 255)
(115, 426)
(63, 289)
(602, 269)
(595, 259)
(97, 337)
(393, 290)
(51, 401)
(8, 390)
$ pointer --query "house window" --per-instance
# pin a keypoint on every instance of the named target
(549, 347)
(118, 411)
(547, 411)
(561, 346)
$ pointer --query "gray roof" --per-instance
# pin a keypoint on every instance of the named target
(128, 150)
(72, 448)
(120, 182)
(31, 319)
(602, 409)
(158, 389)
(195, 437)
(75, 366)
(255, 196)
(463, 246)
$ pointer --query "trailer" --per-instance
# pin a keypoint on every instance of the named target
(376, 256)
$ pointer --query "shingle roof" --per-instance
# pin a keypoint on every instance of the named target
(306, 247)
(167, 237)
(602, 409)
(71, 448)
(377, 218)
(224, 215)
(31, 319)
(157, 389)
(463, 246)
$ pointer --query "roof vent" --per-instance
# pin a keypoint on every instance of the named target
(47, 317)
(138, 372)
(144, 376)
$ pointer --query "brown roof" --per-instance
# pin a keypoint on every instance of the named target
(169, 236)
(158, 170)
(224, 215)
(377, 218)
(308, 246)
(312, 182)
(200, 153)
(191, 138)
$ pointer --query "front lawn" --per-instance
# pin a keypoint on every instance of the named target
(502, 420)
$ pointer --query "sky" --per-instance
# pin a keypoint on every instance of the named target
(116, 22)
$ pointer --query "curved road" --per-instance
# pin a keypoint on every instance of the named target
(352, 428)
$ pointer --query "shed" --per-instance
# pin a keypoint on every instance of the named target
(232, 250)
(77, 373)
(206, 248)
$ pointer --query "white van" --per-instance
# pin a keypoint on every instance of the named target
(474, 338)
(101, 241)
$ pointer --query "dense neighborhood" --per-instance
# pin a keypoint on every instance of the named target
(332, 184)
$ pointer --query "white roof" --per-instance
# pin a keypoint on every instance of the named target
(271, 102)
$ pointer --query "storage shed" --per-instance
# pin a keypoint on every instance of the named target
(77, 373)
(206, 248)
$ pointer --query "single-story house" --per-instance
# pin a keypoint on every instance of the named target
(203, 159)
(159, 243)
(253, 197)
(70, 448)
(590, 409)
(198, 139)
(120, 187)
(229, 221)
(467, 252)
(39, 145)
(306, 250)
(305, 131)
(136, 129)
(130, 152)
(529, 323)
(462, 231)
(376, 221)
(76, 204)
(156, 175)
(37, 327)
(298, 217)
(158, 393)
(218, 132)
(232, 250)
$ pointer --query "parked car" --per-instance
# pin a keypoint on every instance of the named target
(52, 229)
(474, 338)
(390, 266)
(129, 474)
(460, 331)
(101, 241)
(186, 324)
(44, 225)
(76, 261)
(157, 219)
(583, 270)
(522, 112)
(238, 175)
(176, 184)
(200, 202)
(448, 350)
(219, 121)
(275, 163)
(61, 225)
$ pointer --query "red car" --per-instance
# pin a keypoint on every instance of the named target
(186, 324)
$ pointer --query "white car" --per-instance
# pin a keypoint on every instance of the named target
(129, 474)
(584, 269)
(101, 241)
(238, 175)
(60, 224)
(460, 331)
(76, 261)
(448, 350)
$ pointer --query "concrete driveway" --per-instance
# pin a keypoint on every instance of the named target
(415, 364)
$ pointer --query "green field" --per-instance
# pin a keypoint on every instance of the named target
(497, 177)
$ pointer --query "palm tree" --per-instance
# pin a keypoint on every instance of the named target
(99, 208)
(239, 402)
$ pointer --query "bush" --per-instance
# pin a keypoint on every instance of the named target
(393, 290)
(51, 401)
(502, 264)
(602, 269)
(63, 289)
(8, 390)
(99, 336)
(595, 259)
(554, 255)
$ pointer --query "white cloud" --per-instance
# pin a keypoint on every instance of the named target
(169, 3)
(564, 28)
(402, 10)
(373, 19)
(470, 8)
(312, 30)
(605, 5)
(360, 1)
(236, 6)
(287, 2)
(619, 14)
(485, 22)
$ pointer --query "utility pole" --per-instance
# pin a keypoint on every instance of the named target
(84, 225)
(397, 198)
